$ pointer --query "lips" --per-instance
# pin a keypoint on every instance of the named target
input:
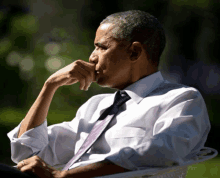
(97, 71)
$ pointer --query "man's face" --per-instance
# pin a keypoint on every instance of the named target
(113, 67)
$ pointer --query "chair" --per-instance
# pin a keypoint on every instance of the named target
(172, 172)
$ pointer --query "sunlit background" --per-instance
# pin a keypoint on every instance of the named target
(39, 37)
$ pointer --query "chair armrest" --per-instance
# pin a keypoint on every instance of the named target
(205, 154)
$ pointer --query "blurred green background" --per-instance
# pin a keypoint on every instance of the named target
(39, 37)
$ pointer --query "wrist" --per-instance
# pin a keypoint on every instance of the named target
(50, 86)
(59, 174)
(62, 174)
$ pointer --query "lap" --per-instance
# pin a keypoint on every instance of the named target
(6, 171)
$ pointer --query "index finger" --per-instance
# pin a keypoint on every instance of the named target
(87, 65)
(25, 162)
(21, 164)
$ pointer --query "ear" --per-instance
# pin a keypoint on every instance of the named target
(136, 50)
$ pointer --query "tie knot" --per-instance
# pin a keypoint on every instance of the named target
(120, 98)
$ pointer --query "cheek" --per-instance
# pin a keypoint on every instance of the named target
(112, 60)
(105, 61)
(115, 61)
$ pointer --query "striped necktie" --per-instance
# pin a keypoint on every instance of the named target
(120, 98)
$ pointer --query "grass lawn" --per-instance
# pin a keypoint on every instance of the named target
(207, 169)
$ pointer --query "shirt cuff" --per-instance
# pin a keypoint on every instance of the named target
(35, 138)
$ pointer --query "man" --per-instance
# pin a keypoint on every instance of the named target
(162, 124)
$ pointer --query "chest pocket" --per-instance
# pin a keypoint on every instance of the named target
(128, 132)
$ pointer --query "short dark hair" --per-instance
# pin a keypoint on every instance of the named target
(136, 25)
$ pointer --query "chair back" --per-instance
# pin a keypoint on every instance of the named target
(171, 172)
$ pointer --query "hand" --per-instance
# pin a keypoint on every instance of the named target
(78, 71)
(35, 165)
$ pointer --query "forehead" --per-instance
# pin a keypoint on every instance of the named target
(104, 32)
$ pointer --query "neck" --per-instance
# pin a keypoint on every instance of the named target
(142, 72)
(135, 78)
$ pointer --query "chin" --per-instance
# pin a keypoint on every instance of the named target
(104, 83)
(101, 82)
(110, 86)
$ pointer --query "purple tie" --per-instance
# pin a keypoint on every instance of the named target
(120, 98)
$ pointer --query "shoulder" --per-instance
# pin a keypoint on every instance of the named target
(171, 99)
(175, 89)
(168, 94)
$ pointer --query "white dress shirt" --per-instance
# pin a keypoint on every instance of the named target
(163, 124)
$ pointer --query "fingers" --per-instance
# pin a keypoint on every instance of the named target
(82, 81)
(78, 71)
(35, 165)
(87, 76)
(21, 164)
(89, 67)
(26, 162)
(86, 73)
(31, 167)
(77, 75)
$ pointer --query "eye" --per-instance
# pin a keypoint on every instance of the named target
(100, 47)
(103, 47)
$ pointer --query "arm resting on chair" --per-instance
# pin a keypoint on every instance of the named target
(96, 169)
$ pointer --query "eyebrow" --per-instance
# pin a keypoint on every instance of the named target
(98, 44)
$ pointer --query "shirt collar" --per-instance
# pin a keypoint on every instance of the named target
(141, 88)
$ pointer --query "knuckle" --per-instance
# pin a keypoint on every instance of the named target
(23, 169)
(69, 74)
(36, 157)
(35, 163)
(74, 66)
(78, 62)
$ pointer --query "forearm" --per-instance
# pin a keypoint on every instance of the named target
(78, 71)
(39, 110)
(93, 170)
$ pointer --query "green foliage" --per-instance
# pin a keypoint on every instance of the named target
(59, 34)
(11, 116)
(58, 116)
(208, 169)
(25, 24)
(2, 16)
(5, 46)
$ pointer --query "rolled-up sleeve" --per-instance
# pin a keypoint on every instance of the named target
(54, 144)
(30, 142)
(178, 134)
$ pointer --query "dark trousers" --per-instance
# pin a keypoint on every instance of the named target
(8, 172)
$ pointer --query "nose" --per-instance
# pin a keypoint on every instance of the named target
(93, 58)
